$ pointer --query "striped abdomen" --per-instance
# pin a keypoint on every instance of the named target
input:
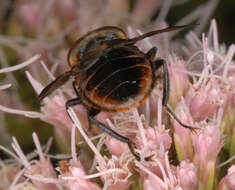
(121, 78)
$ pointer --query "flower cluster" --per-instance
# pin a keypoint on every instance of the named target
(202, 95)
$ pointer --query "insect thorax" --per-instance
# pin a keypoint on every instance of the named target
(92, 43)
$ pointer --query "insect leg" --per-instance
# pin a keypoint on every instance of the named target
(166, 83)
(73, 102)
(115, 135)
(104, 128)
(166, 92)
(75, 89)
(151, 53)
(92, 113)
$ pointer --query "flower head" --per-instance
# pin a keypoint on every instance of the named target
(228, 181)
(179, 79)
(74, 176)
(183, 136)
(207, 146)
(201, 80)
(41, 173)
(187, 175)
(118, 177)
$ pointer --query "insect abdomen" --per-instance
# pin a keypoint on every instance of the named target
(118, 82)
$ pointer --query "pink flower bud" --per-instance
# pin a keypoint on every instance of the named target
(8, 173)
(207, 145)
(115, 146)
(178, 79)
(182, 136)
(150, 183)
(54, 112)
(44, 169)
(66, 9)
(204, 102)
(158, 138)
(228, 119)
(187, 175)
(74, 176)
(118, 178)
(41, 172)
(29, 14)
(228, 182)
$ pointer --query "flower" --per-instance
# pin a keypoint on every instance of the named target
(74, 176)
(201, 73)
(228, 181)
(205, 101)
(29, 13)
(41, 173)
(115, 146)
(207, 146)
(120, 173)
(8, 172)
(183, 136)
(187, 175)
(179, 80)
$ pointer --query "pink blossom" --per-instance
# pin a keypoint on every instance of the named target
(205, 101)
(29, 14)
(182, 136)
(42, 169)
(74, 176)
(54, 112)
(150, 184)
(41, 173)
(208, 137)
(228, 182)
(207, 146)
(187, 175)
(66, 9)
(158, 140)
(115, 146)
(166, 179)
(202, 90)
(119, 178)
(179, 79)
(8, 172)
(228, 120)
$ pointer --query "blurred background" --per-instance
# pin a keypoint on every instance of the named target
(29, 27)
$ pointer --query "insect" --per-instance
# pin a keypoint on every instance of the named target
(110, 73)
